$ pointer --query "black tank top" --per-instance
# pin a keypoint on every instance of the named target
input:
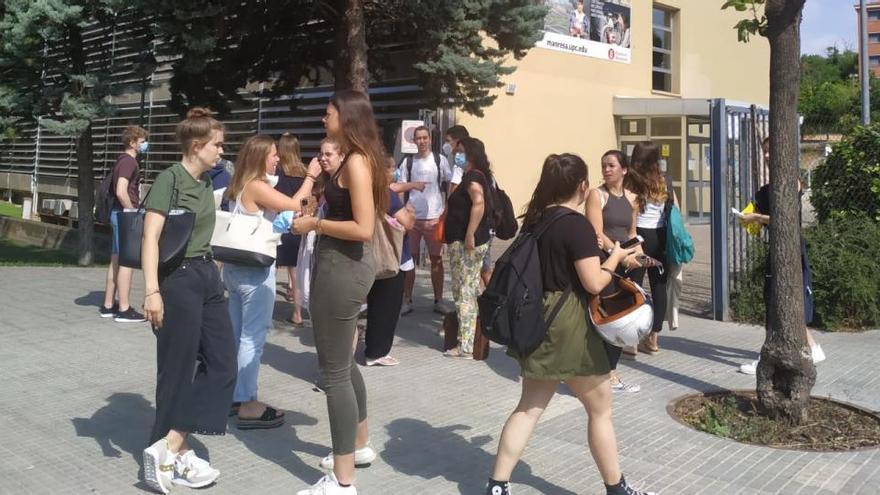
(616, 217)
(338, 199)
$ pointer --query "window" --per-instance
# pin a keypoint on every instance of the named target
(874, 60)
(873, 37)
(662, 50)
(873, 15)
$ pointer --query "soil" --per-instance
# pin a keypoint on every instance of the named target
(832, 426)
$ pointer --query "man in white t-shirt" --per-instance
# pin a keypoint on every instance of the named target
(433, 171)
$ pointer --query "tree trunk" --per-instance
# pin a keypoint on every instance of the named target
(85, 173)
(86, 197)
(785, 374)
(351, 47)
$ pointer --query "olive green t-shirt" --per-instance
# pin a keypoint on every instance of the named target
(193, 195)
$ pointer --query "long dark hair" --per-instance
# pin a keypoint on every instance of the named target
(560, 178)
(644, 177)
(475, 151)
(359, 134)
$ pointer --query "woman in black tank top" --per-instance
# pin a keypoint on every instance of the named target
(612, 210)
(344, 272)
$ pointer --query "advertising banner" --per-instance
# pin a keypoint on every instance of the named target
(407, 141)
(592, 28)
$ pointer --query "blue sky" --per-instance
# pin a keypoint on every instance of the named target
(826, 23)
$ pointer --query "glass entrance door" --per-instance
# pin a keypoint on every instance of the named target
(698, 180)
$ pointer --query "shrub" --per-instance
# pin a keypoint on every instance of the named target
(849, 180)
(846, 284)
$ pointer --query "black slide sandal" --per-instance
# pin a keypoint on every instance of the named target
(270, 419)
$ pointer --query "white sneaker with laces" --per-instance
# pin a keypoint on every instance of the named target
(159, 466)
(193, 472)
(817, 353)
(622, 386)
(328, 485)
(749, 368)
(362, 457)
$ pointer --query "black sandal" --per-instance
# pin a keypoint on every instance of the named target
(233, 409)
(271, 418)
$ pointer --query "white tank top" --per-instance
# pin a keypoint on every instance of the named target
(652, 217)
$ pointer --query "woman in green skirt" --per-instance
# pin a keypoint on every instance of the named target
(572, 351)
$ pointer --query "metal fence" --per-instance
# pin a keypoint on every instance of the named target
(738, 171)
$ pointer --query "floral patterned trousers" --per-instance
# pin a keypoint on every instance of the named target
(465, 288)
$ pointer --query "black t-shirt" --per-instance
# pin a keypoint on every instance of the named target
(762, 201)
(569, 239)
(458, 211)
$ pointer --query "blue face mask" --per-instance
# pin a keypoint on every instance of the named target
(397, 175)
(460, 160)
(143, 147)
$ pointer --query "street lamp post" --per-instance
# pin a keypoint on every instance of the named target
(863, 63)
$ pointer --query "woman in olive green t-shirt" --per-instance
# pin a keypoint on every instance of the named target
(190, 316)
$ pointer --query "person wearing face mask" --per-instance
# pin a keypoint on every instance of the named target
(453, 136)
(126, 183)
(252, 288)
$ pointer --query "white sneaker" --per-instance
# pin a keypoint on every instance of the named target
(440, 307)
(817, 353)
(328, 486)
(362, 457)
(749, 368)
(193, 472)
(159, 466)
(406, 308)
(622, 386)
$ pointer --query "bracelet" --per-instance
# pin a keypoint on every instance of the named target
(151, 294)
(318, 226)
(310, 176)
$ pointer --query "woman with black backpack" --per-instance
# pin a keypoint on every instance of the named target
(571, 351)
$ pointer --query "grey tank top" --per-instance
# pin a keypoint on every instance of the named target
(616, 217)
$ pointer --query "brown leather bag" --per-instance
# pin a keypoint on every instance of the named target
(450, 337)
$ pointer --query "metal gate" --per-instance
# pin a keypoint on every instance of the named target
(738, 171)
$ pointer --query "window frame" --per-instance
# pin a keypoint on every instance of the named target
(667, 52)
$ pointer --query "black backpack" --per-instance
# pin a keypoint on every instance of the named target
(511, 307)
(409, 166)
(503, 217)
(104, 198)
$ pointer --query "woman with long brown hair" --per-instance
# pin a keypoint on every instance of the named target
(653, 196)
(572, 352)
(291, 175)
(356, 195)
(252, 288)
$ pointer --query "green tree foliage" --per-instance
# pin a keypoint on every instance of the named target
(848, 182)
(47, 76)
(458, 50)
(829, 99)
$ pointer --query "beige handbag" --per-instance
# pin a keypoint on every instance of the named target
(387, 246)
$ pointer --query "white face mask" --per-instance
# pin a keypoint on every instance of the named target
(446, 149)
(272, 180)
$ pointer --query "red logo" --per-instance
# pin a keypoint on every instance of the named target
(611, 54)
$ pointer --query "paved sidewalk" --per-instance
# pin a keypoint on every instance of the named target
(77, 390)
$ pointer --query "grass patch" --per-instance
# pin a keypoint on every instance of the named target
(736, 415)
(16, 254)
(9, 210)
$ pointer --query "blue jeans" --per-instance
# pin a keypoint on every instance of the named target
(114, 228)
(251, 302)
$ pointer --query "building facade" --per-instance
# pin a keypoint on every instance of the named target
(680, 54)
(873, 8)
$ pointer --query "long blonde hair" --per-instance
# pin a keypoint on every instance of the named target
(290, 157)
(250, 163)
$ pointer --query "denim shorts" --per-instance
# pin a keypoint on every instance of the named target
(114, 226)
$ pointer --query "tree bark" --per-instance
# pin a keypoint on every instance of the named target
(785, 374)
(350, 66)
(85, 173)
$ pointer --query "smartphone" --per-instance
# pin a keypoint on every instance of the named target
(635, 241)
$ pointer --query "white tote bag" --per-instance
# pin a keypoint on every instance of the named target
(243, 239)
(304, 268)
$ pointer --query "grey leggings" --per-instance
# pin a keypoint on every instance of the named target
(343, 276)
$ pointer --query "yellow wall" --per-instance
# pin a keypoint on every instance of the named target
(563, 102)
